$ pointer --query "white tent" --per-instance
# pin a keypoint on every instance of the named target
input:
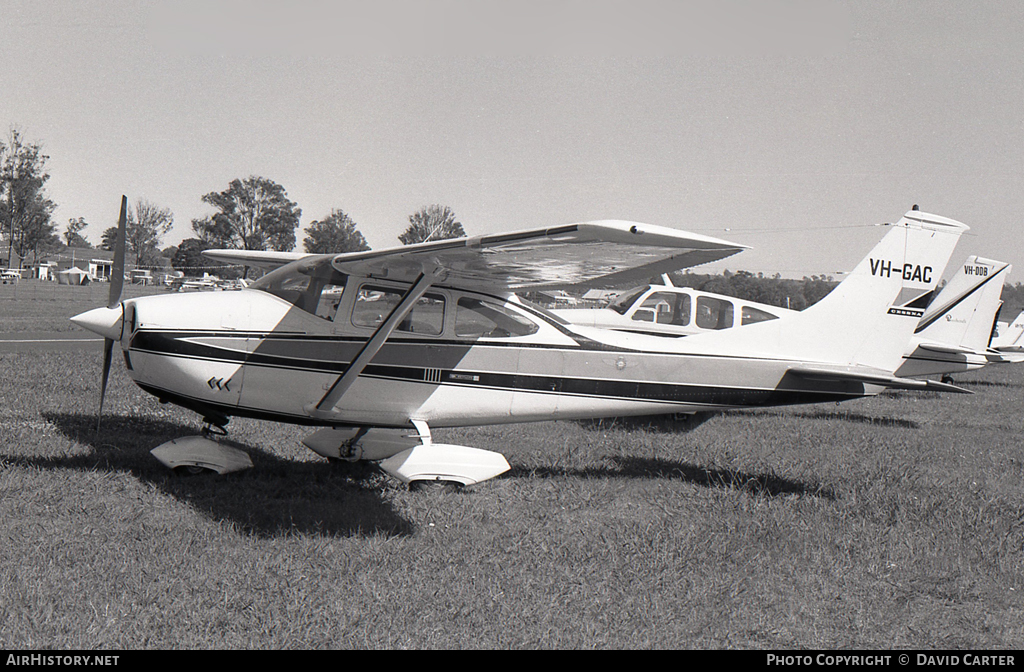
(73, 276)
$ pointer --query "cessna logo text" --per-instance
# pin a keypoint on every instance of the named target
(914, 272)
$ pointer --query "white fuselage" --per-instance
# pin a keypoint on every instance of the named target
(254, 353)
(682, 311)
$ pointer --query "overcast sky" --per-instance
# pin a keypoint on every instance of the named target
(792, 126)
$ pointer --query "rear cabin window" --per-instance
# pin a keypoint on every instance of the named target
(664, 308)
(482, 319)
(750, 315)
(713, 313)
(373, 305)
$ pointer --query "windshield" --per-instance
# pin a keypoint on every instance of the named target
(301, 284)
(542, 310)
(622, 304)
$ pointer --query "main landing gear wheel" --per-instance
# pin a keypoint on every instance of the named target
(192, 470)
(435, 485)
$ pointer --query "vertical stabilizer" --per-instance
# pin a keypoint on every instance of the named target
(869, 318)
(1009, 333)
(964, 311)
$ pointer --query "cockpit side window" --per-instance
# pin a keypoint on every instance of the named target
(373, 305)
(482, 319)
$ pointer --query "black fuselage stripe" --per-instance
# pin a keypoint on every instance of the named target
(640, 391)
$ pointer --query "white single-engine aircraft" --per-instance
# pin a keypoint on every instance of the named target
(370, 345)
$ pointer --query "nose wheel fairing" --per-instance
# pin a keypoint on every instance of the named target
(201, 453)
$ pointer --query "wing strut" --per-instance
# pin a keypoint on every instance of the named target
(376, 341)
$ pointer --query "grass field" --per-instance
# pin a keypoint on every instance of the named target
(31, 305)
(892, 522)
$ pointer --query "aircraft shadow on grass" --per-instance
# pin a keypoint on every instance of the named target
(988, 383)
(649, 468)
(671, 423)
(844, 416)
(277, 496)
(636, 467)
(280, 496)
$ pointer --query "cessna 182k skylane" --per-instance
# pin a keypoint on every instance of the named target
(951, 337)
(371, 345)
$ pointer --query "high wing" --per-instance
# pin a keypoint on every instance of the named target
(603, 252)
(259, 258)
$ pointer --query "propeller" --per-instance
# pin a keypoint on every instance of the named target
(114, 298)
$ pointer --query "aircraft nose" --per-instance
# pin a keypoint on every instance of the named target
(103, 321)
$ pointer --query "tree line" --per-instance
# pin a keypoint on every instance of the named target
(773, 291)
(799, 294)
(253, 213)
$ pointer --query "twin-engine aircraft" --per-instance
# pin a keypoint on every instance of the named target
(951, 337)
(378, 347)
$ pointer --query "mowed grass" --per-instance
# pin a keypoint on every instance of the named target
(34, 305)
(896, 521)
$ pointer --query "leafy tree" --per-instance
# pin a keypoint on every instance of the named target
(108, 239)
(334, 233)
(1013, 301)
(215, 232)
(147, 224)
(73, 233)
(254, 214)
(434, 222)
(188, 258)
(24, 208)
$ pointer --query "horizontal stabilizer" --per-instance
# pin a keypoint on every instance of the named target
(871, 376)
(937, 386)
(947, 349)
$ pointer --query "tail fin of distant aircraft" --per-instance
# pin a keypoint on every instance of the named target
(868, 319)
(1010, 333)
(963, 313)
